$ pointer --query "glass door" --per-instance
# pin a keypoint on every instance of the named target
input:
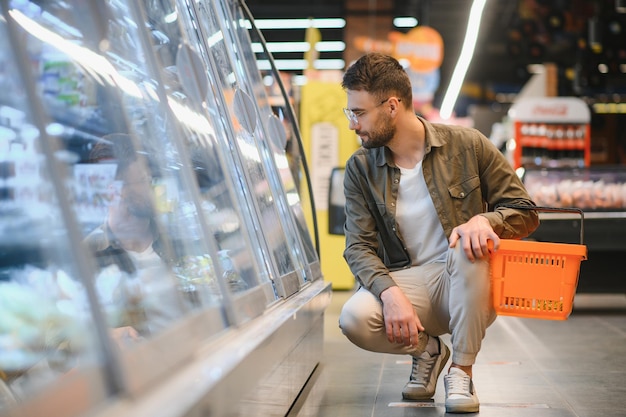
(279, 119)
(249, 147)
(201, 143)
(123, 150)
(53, 337)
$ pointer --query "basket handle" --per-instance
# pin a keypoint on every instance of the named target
(552, 210)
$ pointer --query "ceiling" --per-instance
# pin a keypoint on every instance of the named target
(514, 34)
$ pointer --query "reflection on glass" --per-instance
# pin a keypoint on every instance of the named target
(164, 196)
(284, 147)
(187, 86)
(250, 142)
(47, 335)
(289, 170)
(133, 279)
(125, 182)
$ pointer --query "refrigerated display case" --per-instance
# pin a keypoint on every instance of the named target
(600, 191)
(551, 132)
(258, 140)
(152, 243)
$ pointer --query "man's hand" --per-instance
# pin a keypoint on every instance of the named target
(474, 236)
(401, 322)
(124, 336)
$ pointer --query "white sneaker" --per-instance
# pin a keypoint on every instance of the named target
(424, 374)
(460, 393)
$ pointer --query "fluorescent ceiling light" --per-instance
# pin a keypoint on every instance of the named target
(329, 64)
(171, 18)
(405, 22)
(215, 38)
(467, 52)
(323, 23)
(273, 47)
(299, 80)
(301, 64)
(330, 46)
(604, 108)
(536, 69)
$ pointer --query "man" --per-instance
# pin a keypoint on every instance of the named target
(129, 241)
(420, 218)
(130, 227)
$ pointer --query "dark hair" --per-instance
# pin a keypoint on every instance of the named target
(380, 75)
(121, 149)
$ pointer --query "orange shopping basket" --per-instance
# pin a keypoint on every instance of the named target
(536, 279)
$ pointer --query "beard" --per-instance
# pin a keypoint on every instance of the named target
(141, 206)
(380, 136)
(144, 210)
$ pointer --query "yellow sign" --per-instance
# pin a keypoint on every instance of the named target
(312, 37)
(328, 142)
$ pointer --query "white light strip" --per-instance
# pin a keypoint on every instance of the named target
(95, 65)
(330, 46)
(170, 18)
(301, 64)
(215, 38)
(467, 52)
(330, 23)
(619, 108)
(273, 47)
(405, 22)
(299, 80)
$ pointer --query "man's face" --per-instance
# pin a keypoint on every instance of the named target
(137, 192)
(370, 119)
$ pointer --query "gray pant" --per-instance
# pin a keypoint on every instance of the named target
(451, 297)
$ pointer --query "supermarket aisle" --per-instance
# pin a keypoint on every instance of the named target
(527, 368)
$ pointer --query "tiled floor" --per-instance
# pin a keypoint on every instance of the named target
(527, 368)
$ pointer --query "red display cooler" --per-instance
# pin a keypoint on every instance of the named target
(551, 132)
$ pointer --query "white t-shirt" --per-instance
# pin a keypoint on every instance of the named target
(417, 219)
(146, 259)
(155, 285)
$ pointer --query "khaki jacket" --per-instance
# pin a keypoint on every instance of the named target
(465, 174)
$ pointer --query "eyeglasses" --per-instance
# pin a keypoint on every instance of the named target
(353, 115)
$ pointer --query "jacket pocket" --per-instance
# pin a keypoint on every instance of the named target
(466, 199)
(463, 189)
